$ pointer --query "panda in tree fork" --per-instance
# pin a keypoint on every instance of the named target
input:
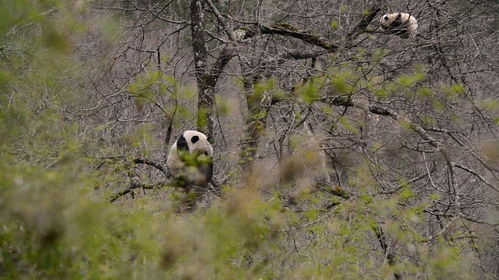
(190, 159)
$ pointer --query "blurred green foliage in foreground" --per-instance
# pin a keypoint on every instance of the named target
(54, 225)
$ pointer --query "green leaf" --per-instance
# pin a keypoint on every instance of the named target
(334, 24)
(406, 193)
(309, 92)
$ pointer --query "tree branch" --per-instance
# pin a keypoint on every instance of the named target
(477, 175)
(289, 30)
(220, 19)
(383, 242)
(153, 164)
(135, 186)
(366, 20)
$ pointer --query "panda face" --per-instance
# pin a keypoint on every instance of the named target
(401, 24)
(389, 20)
(194, 141)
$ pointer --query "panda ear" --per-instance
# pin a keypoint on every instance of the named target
(194, 139)
(211, 140)
(182, 143)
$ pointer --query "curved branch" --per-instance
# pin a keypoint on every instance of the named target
(135, 186)
(153, 164)
(289, 30)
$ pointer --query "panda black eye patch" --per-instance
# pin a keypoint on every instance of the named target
(194, 139)
(182, 144)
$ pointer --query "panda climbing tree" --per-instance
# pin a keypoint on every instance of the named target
(402, 24)
(190, 159)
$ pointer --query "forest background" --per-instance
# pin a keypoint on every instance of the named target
(341, 151)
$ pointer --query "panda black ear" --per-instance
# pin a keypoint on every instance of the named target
(211, 140)
(182, 143)
(194, 139)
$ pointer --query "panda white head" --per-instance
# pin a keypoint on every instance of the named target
(190, 158)
(194, 142)
(401, 24)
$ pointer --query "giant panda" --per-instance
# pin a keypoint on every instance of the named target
(190, 159)
(401, 24)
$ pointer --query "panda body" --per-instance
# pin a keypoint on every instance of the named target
(401, 24)
(190, 158)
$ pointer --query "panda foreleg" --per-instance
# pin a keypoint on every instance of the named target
(206, 170)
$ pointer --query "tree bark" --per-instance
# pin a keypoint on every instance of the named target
(206, 76)
(256, 122)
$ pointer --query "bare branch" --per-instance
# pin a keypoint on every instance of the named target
(220, 19)
(477, 175)
(383, 242)
(362, 25)
(153, 164)
(135, 186)
(289, 30)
